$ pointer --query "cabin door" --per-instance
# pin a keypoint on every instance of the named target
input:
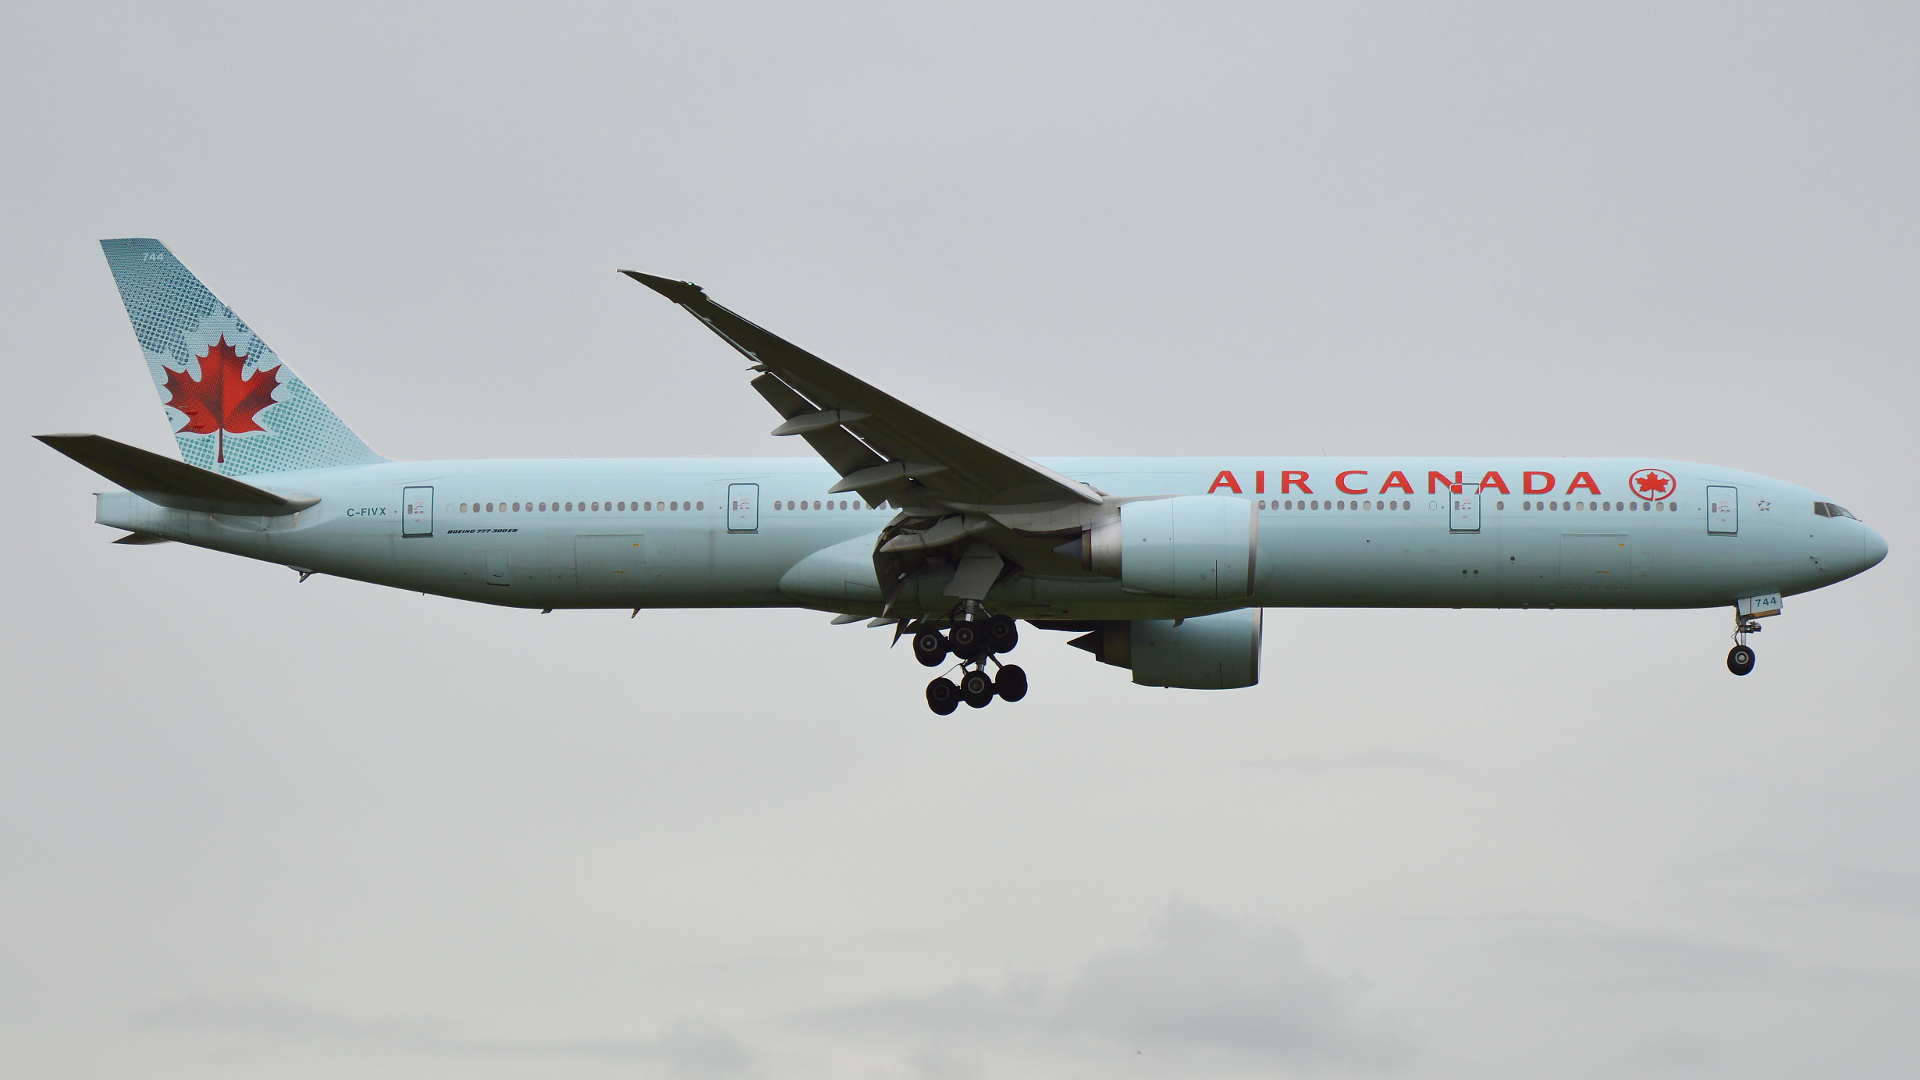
(416, 511)
(1723, 511)
(1463, 512)
(743, 508)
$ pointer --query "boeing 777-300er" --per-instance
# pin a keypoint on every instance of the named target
(1160, 565)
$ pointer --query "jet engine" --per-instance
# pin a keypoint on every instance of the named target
(1212, 652)
(1192, 547)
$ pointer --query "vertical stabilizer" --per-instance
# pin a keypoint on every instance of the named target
(234, 407)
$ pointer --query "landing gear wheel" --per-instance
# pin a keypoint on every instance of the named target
(1002, 634)
(976, 689)
(1740, 660)
(967, 640)
(1012, 683)
(930, 648)
(943, 697)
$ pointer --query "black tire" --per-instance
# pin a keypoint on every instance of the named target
(976, 689)
(966, 640)
(1012, 683)
(930, 648)
(943, 697)
(1002, 634)
(1740, 660)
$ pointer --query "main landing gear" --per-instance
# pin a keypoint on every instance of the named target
(975, 642)
(1740, 657)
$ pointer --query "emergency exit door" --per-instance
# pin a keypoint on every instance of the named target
(1463, 512)
(743, 508)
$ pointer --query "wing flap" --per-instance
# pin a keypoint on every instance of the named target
(833, 443)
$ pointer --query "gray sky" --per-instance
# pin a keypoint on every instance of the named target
(249, 827)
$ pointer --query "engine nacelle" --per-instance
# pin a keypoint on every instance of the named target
(1212, 652)
(1192, 547)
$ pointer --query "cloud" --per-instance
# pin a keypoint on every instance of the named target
(1197, 978)
(1595, 956)
(685, 1049)
(1796, 880)
(1194, 983)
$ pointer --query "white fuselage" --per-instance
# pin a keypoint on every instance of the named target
(1331, 532)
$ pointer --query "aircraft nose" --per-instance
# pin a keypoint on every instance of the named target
(1873, 548)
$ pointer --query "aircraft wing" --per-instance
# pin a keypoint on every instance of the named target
(882, 447)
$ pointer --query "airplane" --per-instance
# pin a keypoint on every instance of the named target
(1161, 566)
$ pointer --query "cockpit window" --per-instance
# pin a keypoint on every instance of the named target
(1827, 509)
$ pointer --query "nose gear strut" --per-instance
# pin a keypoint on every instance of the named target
(1740, 657)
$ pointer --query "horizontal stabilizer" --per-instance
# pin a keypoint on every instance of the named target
(171, 483)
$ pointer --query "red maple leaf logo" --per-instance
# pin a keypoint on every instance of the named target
(221, 401)
(1652, 483)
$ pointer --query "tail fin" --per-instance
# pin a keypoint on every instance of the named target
(234, 407)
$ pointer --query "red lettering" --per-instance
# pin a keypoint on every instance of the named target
(1454, 485)
(1531, 488)
(1224, 480)
(1583, 480)
(1341, 482)
(1396, 479)
(1260, 482)
(1492, 481)
(1290, 478)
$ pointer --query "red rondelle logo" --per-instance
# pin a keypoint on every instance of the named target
(1652, 483)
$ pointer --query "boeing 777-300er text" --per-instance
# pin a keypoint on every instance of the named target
(1160, 565)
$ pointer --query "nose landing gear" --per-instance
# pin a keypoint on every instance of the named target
(1740, 657)
(975, 641)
